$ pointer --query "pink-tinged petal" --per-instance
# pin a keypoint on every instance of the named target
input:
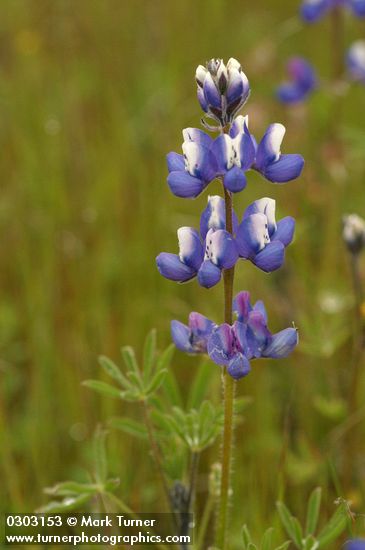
(282, 343)
(171, 267)
(191, 250)
(220, 345)
(200, 325)
(252, 235)
(175, 162)
(285, 231)
(271, 257)
(209, 274)
(235, 180)
(184, 185)
(239, 366)
(221, 248)
(181, 336)
(259, 306)
(287, 168)
(257, 334)
(242, 305)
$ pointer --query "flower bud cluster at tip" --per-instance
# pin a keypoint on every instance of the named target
(222, 89)
(354, 233)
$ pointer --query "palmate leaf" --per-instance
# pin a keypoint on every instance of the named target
(289, 525)
(68, 504)
(314, 505)
(103, 387)
(333, 528)
(200, 384)
(112, 370)
(130, 360)
(266, 539)
(129, 426)
(149, 352)
(156, 381)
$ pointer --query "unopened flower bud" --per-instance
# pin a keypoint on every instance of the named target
(354, 233)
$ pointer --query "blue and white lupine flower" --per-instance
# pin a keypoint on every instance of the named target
(313, 10)
(222, 89)
(235, 154)
(248, 338)
(203, 256)
(355, 544)
(260, 239)
(356, 61)
(274, 166)
(302, 82)
(192, 338)
(191, 172)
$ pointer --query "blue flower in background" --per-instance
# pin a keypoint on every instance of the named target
(356, 544)
(356, 61)
(313, 10)
(248, 338)
(269, 161)
(222, 89)
(192, 338)
(260, 239)
(191, 172)
(205, 255)
(302, 82)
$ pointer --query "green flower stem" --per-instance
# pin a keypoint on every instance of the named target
(228, 396)
(204, 522)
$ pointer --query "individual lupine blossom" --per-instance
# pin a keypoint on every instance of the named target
(248, 338)
(222, 89)
(229, 156)
(192, 338)
(356, 61)
(260, 239)
(354, 233)
(204, 255)
(302, 81)
(355, 544)
(313, 10)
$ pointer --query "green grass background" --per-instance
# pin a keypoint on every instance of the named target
(93, 94)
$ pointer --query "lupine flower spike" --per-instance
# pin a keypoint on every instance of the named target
(302, 81)
(313, 10)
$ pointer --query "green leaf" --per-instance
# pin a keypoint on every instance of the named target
(246, 537)
(171, 389)
(129, 426)
(310, 543)
(130, 360)
(266, 539)
(156, 381)
(100, 459)
(131, 395)
(333, 529)
(111, 368)
(102, 387)
(149, 352)
(68, 504)
(65, 488)
(283, 546)
(286, 519)
(298, 532)
(111, 484)
(314, 505)
(165, 358)
(200, 385)
(252, 546)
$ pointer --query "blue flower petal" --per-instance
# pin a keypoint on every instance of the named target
(200, 161)
(200, 325)
(184, 185)
(222, 150)
(220, 345)
(260, 306)
(355, 544)
(247, 150)
(235, 180)
(198, 136)
(257, 334)
(356, 60)
(271, 257)
(171, 267)
(181, 335)
(242, 306)
(287, 168)
(312, 10)
(358, 7)
(209, 274)
(284, 231)
(203, 102)
(282, 343)
(291, 93)
(303, 81)
(175, 162)
(268, 150)
(221, 248)
(252, 235)
(191, 250)
(239, 366)
(212, 95)
(264, 206)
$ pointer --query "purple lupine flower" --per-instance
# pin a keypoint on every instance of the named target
(205, 255)
(302, 81)
(355, 544)
(356, 61)
(260, 239)
(248, 338)
(235, 154)
(191, 172)
(274, 166)
(313, 10)
(222, 89)
(192, 338)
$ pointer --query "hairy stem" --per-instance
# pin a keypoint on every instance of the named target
(228, 396)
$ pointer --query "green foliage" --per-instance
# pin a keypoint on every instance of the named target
(306, 538)
(266, 541)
